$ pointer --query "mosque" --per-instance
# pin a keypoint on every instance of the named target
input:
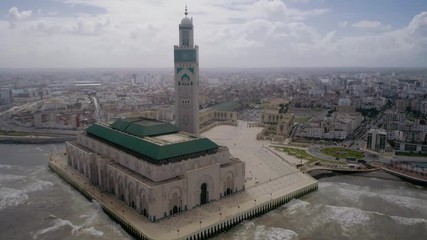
(155, 167)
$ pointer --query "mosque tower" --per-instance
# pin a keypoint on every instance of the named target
(186, 59)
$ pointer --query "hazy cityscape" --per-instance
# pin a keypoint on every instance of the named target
(289, 129)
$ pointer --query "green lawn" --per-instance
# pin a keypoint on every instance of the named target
(301, 153)
(339, 152)
(301, 119)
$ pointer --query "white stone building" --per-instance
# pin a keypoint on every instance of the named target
(153, 167)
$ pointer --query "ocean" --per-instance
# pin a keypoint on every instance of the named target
(36, 204)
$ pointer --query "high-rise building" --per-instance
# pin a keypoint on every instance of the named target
(6, 96)
(377, 139)
(186, 58)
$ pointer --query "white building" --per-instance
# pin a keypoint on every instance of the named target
(150, 165)
(153, 168)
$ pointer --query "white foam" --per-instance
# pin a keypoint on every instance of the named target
(353, 193)
(75, 229)
(408, 221)
(248, 225)
(5, 166)
(92, 231)
(295, 204)
(10, 177)
(37, 186)
(38, 149)
(347, 216)
(10, 197)
(403, 201)
(273, 233)
(57, 223)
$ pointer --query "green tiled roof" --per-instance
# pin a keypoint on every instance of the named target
(149, 150)
(143, 127)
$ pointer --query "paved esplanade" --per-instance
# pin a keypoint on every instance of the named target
(267, 177)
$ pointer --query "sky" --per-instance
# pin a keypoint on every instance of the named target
(229, 33)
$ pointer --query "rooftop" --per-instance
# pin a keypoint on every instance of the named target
(155, 141)
(143, 127)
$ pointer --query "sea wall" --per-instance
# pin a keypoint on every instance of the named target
(205, 231)
(228, 223)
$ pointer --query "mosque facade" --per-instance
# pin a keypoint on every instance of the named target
(157, 168)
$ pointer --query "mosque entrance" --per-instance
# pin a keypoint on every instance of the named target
(175, 209)
(204, 194)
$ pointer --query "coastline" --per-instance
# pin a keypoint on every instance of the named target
(235, 209)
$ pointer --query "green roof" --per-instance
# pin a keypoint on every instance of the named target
(151, 151)
(143, 127)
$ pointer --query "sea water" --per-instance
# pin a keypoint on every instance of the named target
(36, 204)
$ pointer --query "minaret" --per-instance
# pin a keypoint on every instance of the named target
(186, 59)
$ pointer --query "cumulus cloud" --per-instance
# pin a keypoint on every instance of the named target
(418, 25)
(85, 26)
(237, 33)
(16, 16)
(371, 25)
(278, 10)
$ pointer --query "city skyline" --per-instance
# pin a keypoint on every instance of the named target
(237, 33)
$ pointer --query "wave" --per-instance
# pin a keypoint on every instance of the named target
(38, 149)
(295, 204)
(92, 231)
(37, 186)
(10, 197)
(349, 217)
(58, 223)
(353, 193)
(5, 166)
(10, 177)
(76, 230)
(263, 232)
(408, 221)
(402, 201)
(250, 230)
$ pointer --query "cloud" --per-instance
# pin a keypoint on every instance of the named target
(278, 10)
(84, 26)
(230, 33)
(343, 24)
(16, 16)
(371, 25)
(418, 25)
